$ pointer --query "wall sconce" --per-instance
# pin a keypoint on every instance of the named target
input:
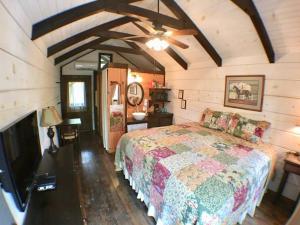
(133, 77)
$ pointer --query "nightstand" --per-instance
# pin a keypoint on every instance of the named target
(291, 165)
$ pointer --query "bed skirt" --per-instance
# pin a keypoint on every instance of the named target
(151, 209)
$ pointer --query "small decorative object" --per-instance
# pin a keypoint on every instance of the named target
(156, 108)
(155, 84)
(50, 118)
(244, 92)
(183, 104)
(164, 110)
(180, 94)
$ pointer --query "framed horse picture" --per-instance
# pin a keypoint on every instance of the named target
(244, 92)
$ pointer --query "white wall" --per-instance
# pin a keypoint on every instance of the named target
(204, 87)
(27, 78)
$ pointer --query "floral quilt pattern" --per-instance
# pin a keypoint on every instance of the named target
(194, 175)
(248, 129)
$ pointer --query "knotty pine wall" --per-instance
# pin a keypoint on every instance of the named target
(27, 78)
(204, 87)
(146, 83)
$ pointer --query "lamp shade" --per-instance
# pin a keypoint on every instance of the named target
(50, 117)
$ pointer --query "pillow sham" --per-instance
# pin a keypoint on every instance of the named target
(215, 119)
(248, 129)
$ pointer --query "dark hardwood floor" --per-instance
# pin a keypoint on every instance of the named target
(109, 200)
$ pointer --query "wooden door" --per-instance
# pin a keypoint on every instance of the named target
(116, 77)
(76, 98)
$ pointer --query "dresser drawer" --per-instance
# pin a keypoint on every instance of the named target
(160, 119)
(153, 121)
(165, 121)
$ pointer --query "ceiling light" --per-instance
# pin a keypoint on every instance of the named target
(157, 44)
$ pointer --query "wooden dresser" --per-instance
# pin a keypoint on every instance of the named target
(152, 120)
(160, 119)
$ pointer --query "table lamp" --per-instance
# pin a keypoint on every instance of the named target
(50, 117)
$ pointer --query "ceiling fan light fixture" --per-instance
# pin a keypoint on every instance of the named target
(157, 44)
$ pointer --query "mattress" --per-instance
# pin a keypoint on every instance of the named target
(188, 174)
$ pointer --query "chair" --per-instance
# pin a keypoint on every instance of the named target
(69, 134)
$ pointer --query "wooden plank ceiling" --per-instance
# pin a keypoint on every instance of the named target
(71, 27)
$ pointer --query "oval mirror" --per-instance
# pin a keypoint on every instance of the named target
(135, 94)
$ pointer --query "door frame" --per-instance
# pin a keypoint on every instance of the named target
(85, 78)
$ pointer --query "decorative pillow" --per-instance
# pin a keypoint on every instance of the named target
(250, 130)
(215, 119)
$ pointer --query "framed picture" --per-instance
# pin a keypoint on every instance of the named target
(180, 94)
(183, 104)
(244, 92)
(133, 89)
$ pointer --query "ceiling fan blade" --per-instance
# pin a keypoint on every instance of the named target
(181, 32)
(177, 43)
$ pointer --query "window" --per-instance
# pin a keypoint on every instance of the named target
(76, 96)
(104, 59)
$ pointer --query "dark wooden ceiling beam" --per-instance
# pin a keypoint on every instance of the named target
(114, 34)
(95, 44)
(177, 58)
(78, 57)
(153, 61)
(78, 50)
(249, 8)
(118, 49)
(128, 60)
(87, 34)
(180, 14)
(141, 13)
(66, 17)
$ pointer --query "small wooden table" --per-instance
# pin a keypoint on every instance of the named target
(291, 165)
(76, 122)
(73, 122)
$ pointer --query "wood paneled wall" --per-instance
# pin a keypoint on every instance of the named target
(27, 78)
(204, 87)
(147, 79)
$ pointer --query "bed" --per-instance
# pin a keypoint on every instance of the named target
(189, 174)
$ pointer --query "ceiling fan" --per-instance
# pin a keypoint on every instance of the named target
(159, 38)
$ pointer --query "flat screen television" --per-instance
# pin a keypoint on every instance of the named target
(20, 154)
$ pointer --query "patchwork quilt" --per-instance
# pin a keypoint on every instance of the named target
(188, 174)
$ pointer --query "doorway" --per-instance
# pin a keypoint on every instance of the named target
(76, 96)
